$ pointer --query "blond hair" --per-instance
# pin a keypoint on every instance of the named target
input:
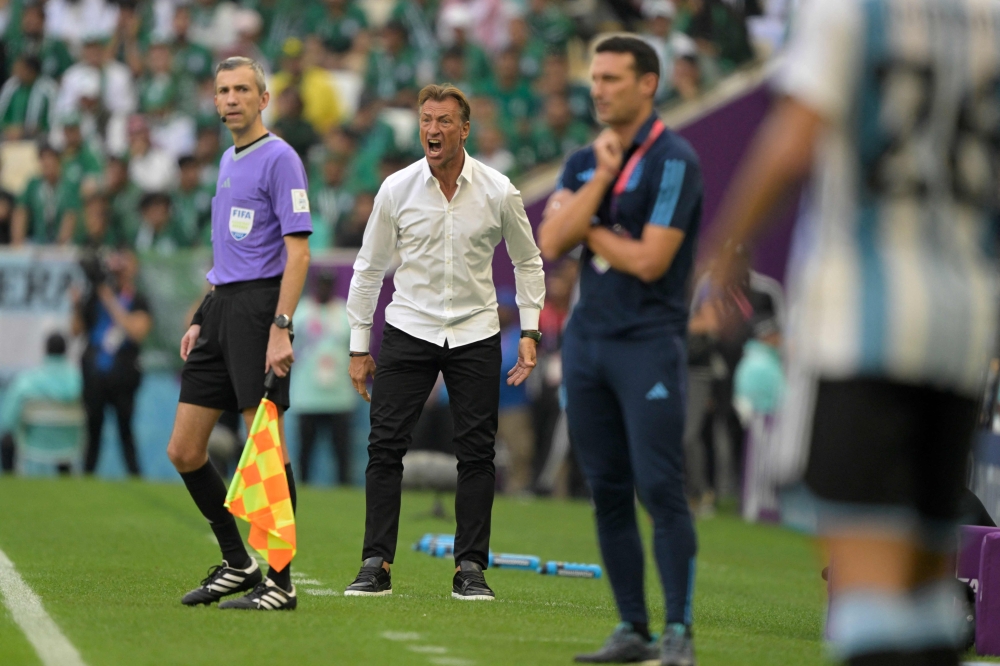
(440, 93)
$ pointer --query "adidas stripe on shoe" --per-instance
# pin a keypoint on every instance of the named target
(223, 580)
(266, 596)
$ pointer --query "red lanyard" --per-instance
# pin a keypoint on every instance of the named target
(626, 174)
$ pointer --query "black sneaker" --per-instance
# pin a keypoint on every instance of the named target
(372, 580)
(678, 646)
(266, 596)
(469, 584)
(222, 580)
(624, 646)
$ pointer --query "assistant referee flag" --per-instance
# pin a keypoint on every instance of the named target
(259, 491)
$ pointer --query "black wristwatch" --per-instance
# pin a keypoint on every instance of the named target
(534, 335)
(283, 321)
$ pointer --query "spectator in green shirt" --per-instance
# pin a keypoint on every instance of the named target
(27, 101)
(330, 201)
(158, 86)
(129, 37)
(123, 198)
(96, 232)
(719, 30)
(555, 81)
(324, 395)
(283, 20)
(557, 134)
(512, 94)
(47, 209)
(391, 75)
(492, 151)
(192, 60)
(291, 126)
(352, 231)
(374, 139)
(30, 40)
(192, 203)
(338, 23)
(158, 231)
(453, 68)
(417, 18)
(208, 150)
(530, 49)
(81, 164)
(456, 23)
(550, 24)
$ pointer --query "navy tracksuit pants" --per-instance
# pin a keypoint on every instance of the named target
(626, 405)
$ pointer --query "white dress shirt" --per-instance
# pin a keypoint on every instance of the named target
(444, 284)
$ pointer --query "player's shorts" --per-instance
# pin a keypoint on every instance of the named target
(225, 369)
(887, 444)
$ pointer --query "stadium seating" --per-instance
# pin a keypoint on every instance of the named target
(51, 433)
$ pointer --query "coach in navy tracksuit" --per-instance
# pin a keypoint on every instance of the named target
(634, 199)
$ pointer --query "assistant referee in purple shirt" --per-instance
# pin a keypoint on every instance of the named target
(260, 229)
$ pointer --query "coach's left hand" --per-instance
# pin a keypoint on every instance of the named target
(525, 362)
(279, 352)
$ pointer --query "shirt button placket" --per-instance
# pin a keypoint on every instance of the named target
(449, 254)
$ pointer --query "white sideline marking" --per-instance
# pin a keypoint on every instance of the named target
(451, 661)
(401, 635)
(52, 647)
(321, 592)
(302, 580)
(427, 649)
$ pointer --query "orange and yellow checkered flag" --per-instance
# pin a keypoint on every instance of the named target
(259, 491)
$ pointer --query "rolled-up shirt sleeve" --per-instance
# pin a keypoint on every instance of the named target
(529, 279)
(373, 260)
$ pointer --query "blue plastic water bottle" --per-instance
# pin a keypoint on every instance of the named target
(509, 561)
(424, 544)
(443, 547)
(570, 569)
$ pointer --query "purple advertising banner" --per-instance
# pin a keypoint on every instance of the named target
(720, 138)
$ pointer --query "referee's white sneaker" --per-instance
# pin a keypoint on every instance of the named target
(223, 580)
(266, 596)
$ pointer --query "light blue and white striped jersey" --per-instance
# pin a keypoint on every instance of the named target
(894, 268)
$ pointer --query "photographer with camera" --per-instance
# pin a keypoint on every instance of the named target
(115, 318)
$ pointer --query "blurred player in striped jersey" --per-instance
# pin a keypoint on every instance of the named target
(893, 107)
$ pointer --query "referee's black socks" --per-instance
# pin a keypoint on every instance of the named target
(283, 578)
(209, 492)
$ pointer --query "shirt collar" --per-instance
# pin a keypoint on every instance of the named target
(643, 132)
(466, 174)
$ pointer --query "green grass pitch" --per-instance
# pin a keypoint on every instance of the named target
(110, 562)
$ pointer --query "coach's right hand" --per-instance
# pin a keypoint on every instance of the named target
(362, 367)
(608, 154)
(188, 341)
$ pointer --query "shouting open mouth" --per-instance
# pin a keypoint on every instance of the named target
(434, 147)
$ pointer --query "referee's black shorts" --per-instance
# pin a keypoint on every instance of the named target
(225, 369)
(883, 443)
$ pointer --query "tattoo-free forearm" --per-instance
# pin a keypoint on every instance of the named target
(566, 227)
(294, 276)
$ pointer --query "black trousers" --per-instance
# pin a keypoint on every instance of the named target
(340, 430)
(118, 391)
(407, 370)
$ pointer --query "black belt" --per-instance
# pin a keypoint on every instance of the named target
(236, 287)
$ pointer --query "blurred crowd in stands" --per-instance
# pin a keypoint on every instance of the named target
(115, 100)
(118, 97)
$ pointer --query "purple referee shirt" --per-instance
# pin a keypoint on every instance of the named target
(261, 196)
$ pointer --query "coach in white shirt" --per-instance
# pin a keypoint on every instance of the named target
(444, 215)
